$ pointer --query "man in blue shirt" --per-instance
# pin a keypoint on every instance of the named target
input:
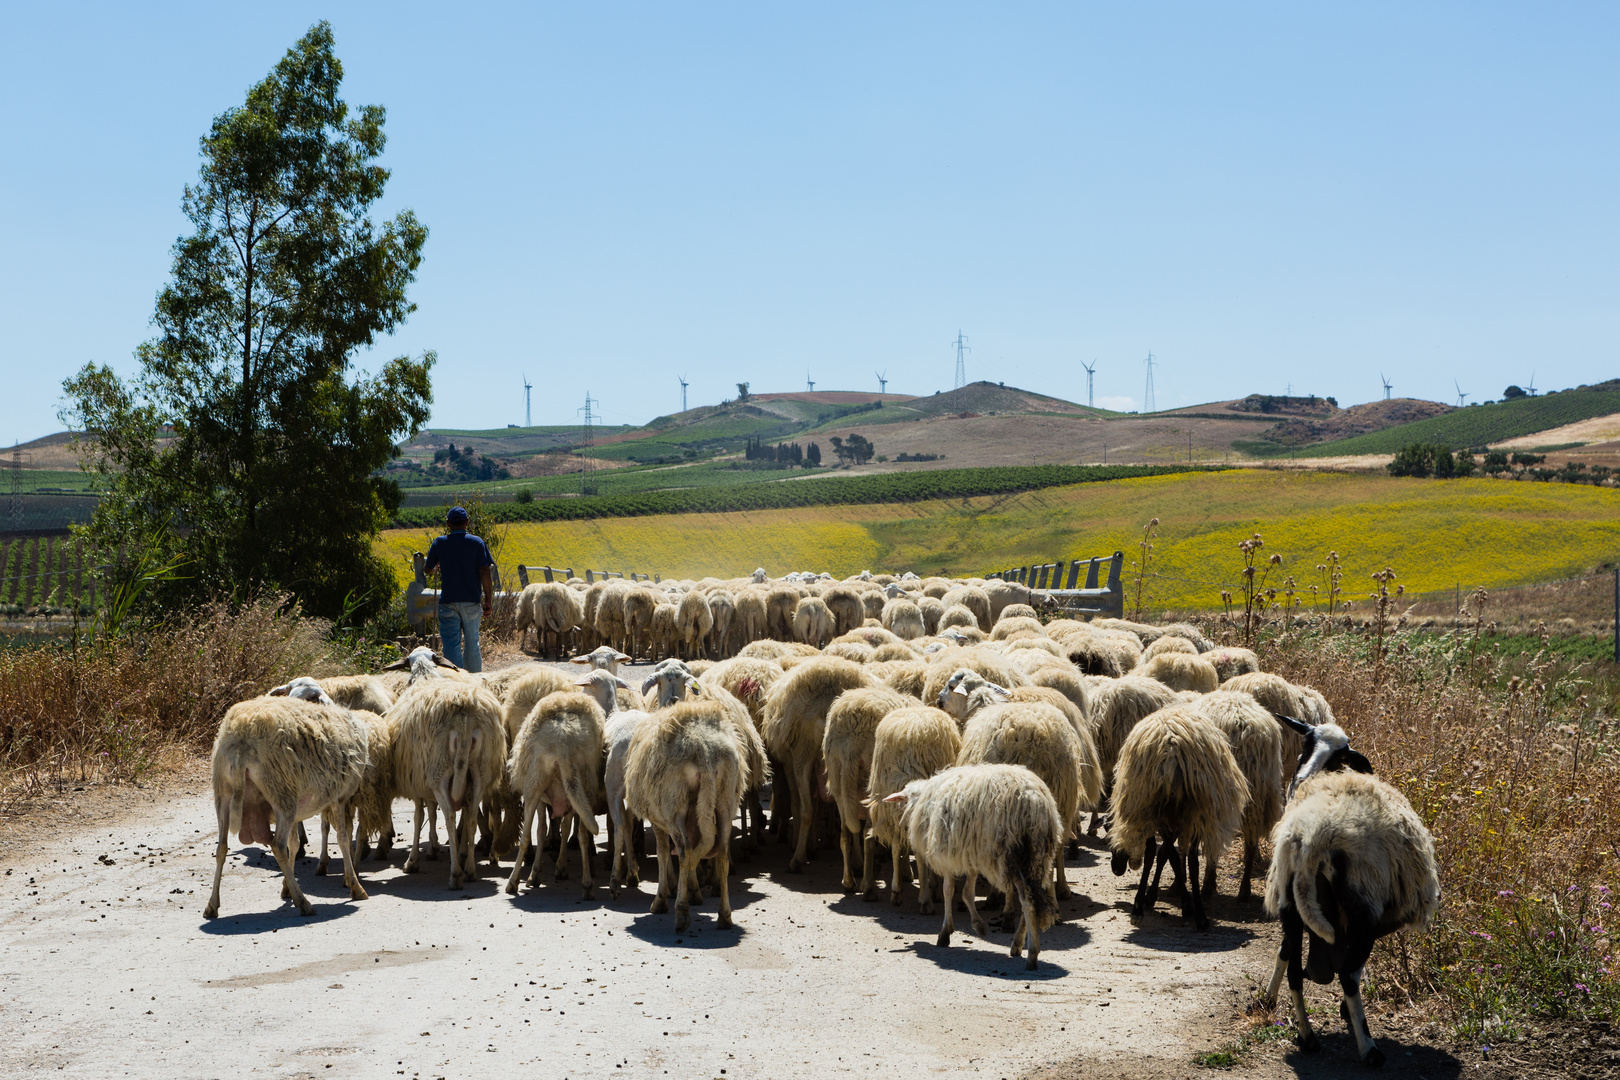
(463, 563)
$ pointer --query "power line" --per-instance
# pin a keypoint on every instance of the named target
(585, 458)
(961, 363)
(1148, 404)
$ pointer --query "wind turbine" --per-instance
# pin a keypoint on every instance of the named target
(1461, 394)
(1091, 369)
(809, 382)
(1387, 385)
(528, 418)
(883, 383)
(684, 385)
(1531, 388)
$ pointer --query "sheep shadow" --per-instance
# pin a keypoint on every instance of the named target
(960, 956)
(1337, 1060)
(702, 933)
(1166, 931)
(283, 917)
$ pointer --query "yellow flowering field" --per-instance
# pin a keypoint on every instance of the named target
(1436, 534)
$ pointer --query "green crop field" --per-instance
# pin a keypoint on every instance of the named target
(613, 482)
(1481, 425)
(823, 491)
(48, 480)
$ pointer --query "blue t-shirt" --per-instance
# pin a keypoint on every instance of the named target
(459, 556)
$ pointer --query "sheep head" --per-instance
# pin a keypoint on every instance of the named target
(759, 576)
(303, 688)
(603, 686)
(603, 658)
(1326, 749)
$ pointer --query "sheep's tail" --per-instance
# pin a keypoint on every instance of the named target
(1036, 879)
(1307, 903)
(582, 806)
(233, 820)
(708, 798)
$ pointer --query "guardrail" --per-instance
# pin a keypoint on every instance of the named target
(551, 573)
(1091, 599)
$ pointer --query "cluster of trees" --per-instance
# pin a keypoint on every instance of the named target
(855, 450)
(782, 455)
(1427, 459)
(464, 464)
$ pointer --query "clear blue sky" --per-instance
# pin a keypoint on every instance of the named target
(1262, 195)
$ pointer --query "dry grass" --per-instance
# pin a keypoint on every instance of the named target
(1511, 756)
(115, 710)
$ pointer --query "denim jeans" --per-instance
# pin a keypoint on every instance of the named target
(453, 620)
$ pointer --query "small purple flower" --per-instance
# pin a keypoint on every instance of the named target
(1582, 988)
(1506, 894)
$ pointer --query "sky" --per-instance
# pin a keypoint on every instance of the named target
(1266, 197)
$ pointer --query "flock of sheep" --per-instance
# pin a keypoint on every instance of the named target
(940, 719)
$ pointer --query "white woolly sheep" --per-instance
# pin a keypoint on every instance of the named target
(555, 610)
(909, 744)
(780, 603)
(846, 747)
(663, 635)
(684, 773)
(903, 619)
(449, 753)
(358, 692)
(723, 609)
(693, 622)
(374, 800)
(1176, 780)
(1007, 629)
(975, 600)
(994, 666)
(610, 625)
(639, 604)
(1256, 741)
(1169, 644)
(845, 604)
(1036, 735)
(1230, 662)
(1179, 671)
(812, 623)
(603, 657)
(795, 719)
(556, 763)
(932, 610)
(1351, 863)
(995, 821)
(284, 758)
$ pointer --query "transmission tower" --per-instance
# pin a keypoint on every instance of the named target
(528, 416)
(589, 417)
(1148, 404)
(16, 486)
(961, 363)
(684, 384)
(883, 383)
(1091, 369)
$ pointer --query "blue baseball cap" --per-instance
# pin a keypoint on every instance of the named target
(457, 514)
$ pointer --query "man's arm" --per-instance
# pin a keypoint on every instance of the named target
(488, 579)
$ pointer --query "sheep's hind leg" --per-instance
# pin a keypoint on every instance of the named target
(970, 898)
(948, 888)
(325, 861)
(1293, 940)
(1145, 898)
(722, 869)
(1365, 1047)
(284, 845)
(847, 842)
(1251, 855)
(522, 847)
(222, 808)
(666, 874)
(804, 808)
(869, 889)
(689, 884)
(413, 861)
(1026, 924)
(1193, 905)
(351, 865)
(587, 842)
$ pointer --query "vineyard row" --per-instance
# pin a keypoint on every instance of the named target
(36, 567)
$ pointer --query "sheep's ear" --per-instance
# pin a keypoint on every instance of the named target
(691, 683)
(622, 685)
(280, 691)
(1298, 727)
(1000, 691)
(898, 796)
(585, 680)
(440, 661)
(648, 683)
(961, 689)
(399, 665)
(620, 658)
(580, 660)
(1357, 761)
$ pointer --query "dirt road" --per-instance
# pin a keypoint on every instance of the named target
(107, 968)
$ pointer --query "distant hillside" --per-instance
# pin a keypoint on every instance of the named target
(1482, 425)
(1373, 416)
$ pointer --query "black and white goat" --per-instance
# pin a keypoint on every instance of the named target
(1352, 862)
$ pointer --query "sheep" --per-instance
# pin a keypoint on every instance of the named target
(1068, 683)
(871, 636)
(931, 610)
(956, 615)
(555, 609)
(364, 692)
(1283, 698)
(603, 657)
(1004, 594)
(663, 633)
(912, 743)
(723, 609)
(524, 610)
(1177, 780)
(610, 626)
(995, 821)
(1351, 863)
(423, 663)
(684, 774)
(993, 666)
(854, 651)
(846, 747)
(845, 604)
(1099, 653)
(1181, 672)
(759, 576)
(1230, 662)
(751, 622)
(639, 605)
(618, 729)
(1035, 647)
(556, 762)
(1091, 777)
(1005, 629)
(975, 600)
(693, 621)
(813, 624)
(589, 638)
(1256, 741)
(449, 752)
(872, 601)
(1169, 644)
(892, 651)
(1036, 735)
(780, 605)
(1190, 633)
(903, 619)
(374, 800)
(794, 724)
(750, 681)
(283, 761)
(907, 678)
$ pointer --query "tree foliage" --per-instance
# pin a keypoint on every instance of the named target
(267, 479)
